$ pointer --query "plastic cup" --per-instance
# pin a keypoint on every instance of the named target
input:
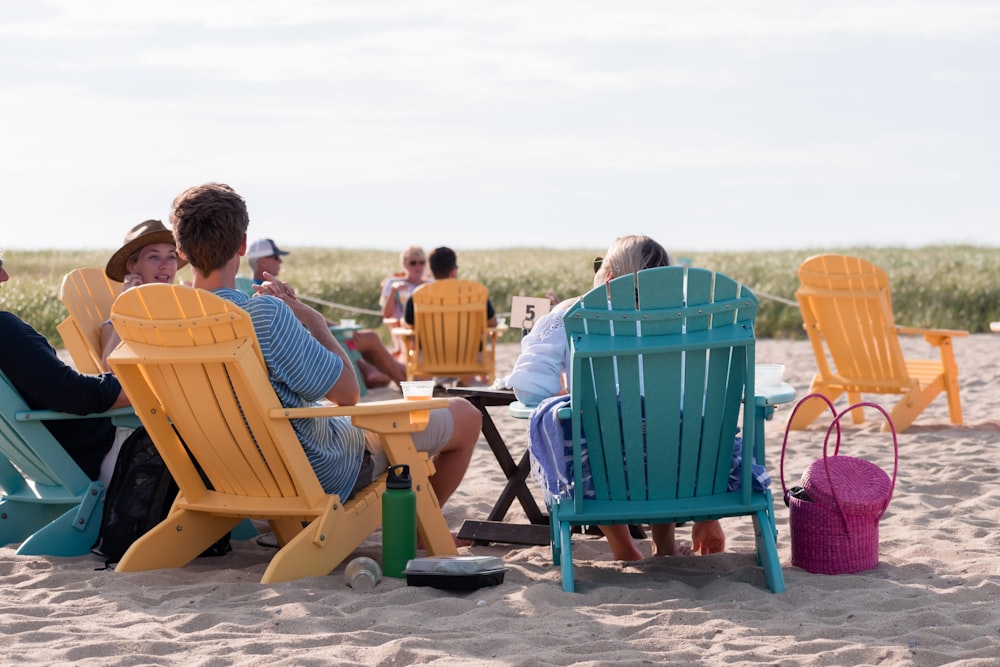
(348, 323)
(501, 322)
(769, 375)
(362, 574)
(418, 391)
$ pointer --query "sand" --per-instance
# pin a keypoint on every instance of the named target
(934, 599)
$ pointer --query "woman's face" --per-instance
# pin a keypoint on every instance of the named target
(414, 266)
(157, 263)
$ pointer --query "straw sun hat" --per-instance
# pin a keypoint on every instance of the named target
(143, 234)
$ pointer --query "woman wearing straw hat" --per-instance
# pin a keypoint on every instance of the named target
(147, 256)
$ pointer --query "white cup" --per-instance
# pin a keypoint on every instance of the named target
(348, 323)
(501, 322)
(769, 375)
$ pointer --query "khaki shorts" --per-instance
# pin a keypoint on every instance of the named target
(439, 430)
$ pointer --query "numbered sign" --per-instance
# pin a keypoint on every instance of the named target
(525, 311)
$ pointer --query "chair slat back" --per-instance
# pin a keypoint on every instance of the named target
(660, 363)
(87, 294)
(451, 335)
(192, 366)
(847, 313)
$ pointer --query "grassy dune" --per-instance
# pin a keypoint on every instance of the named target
(941, 286)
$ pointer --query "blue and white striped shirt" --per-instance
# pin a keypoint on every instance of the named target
(301, 372)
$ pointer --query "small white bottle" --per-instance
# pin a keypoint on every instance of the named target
(362, 573)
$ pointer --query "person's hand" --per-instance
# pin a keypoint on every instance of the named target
(707, 537)
(131, 280)
(275, 287)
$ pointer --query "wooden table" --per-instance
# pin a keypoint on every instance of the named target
(494, 529)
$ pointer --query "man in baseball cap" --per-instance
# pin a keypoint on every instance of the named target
(264, 255)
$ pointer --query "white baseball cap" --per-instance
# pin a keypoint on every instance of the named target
(264, 248)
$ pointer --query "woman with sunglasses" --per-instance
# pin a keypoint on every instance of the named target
(397, 289)
(540, 372)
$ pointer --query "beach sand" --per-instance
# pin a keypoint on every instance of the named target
(934, 599)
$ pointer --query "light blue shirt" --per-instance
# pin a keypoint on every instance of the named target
(302, 371)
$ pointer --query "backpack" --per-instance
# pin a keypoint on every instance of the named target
(138, 497)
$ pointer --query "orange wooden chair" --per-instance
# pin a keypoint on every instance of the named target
(87, 294)
(192, 366)
(847, 314)
(450, 335)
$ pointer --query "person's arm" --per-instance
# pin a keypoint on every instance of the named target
(109, 341)
(408, 314)
(539, 369)
(44, 381)
(491, 315)
(345, 391)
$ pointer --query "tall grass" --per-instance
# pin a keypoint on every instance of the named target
(942, 286)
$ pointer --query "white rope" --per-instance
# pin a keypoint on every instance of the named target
(787, 302)
(331, 304)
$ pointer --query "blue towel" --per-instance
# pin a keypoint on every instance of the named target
(551, 445)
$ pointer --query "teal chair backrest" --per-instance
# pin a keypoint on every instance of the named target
(660, 365)
(29, 451)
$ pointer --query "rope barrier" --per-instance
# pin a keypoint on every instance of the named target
(341, 306)
(366, 311)
(787, 302)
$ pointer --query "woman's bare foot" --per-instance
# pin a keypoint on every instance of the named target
(664, 543)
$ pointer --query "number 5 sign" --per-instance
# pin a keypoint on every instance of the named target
(525, 311)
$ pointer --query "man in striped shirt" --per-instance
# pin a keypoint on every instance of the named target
(304, 360)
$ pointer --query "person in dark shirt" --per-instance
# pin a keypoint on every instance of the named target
(46, 383)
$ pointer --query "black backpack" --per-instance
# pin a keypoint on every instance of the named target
(138, 497)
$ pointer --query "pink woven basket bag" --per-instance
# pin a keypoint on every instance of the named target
(834, 513)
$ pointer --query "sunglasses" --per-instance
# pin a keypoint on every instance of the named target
(597, 263)
(417, 262)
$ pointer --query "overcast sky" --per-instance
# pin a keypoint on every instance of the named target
(708, 125)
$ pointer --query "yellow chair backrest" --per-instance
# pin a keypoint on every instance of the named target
(87, 294)
(451, 336)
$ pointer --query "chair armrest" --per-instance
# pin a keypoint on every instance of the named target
(397, 406)
(945, 333)
(935, 337)
(53, 415)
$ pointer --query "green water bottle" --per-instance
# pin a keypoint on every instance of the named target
(399, 521)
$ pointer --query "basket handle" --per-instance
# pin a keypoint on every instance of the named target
(788, 424)
(826, 462)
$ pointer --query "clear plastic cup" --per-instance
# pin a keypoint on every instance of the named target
(418, 391)
(362, 573)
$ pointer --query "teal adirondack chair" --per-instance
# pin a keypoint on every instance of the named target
(46, 502)
(658, 404)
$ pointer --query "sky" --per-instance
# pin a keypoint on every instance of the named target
(709, 125)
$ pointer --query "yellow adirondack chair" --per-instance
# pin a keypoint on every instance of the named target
(847, 314)
(450, 335)
(191, 364)
(87, 294)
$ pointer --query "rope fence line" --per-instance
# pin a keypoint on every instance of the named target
(341, 306)
(367, 311)
(779, 299)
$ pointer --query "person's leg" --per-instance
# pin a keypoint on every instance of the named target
(371, 376)
(452, 459)
(620, 541)
(450, 437)
(665, 542)
(374, 352)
